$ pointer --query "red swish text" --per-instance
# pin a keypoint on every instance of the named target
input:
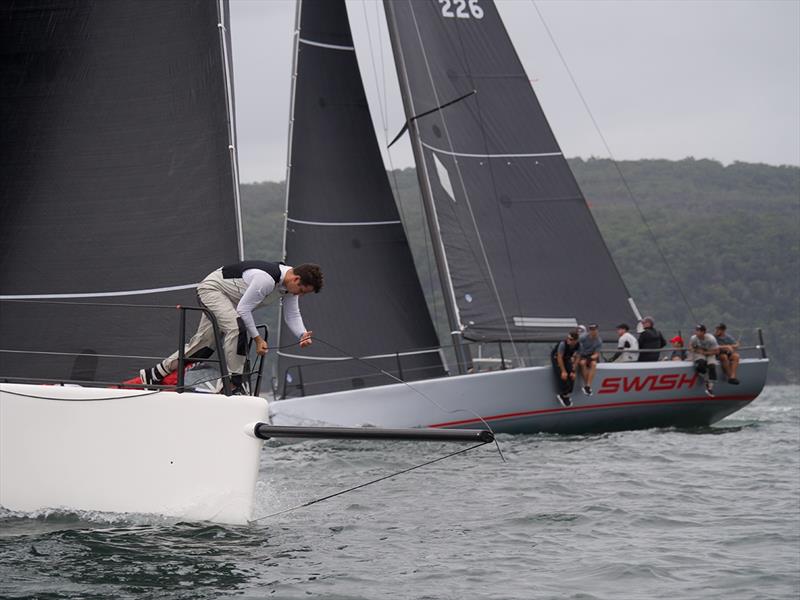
(650, 383)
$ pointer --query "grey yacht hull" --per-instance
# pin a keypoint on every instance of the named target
(625, 396)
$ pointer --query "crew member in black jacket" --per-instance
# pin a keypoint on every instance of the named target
(650, 339)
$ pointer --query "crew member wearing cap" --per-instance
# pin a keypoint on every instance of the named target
(704, 349)
(626, 341)
(588, 355)
(650, 339)
(563, 358)
(678, 352)
(728, 357)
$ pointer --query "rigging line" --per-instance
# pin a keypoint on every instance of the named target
(431, 111)
(374, 67)
(151, 393)
(411, 387)
(615, 163)
(42, 352)
(383, 64)
(365, 484)
(104, 304)
(143, 292)
(464, 190)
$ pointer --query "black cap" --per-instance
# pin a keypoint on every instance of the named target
(592, 325)
(722, 326)
(623, 326)
(700, 326)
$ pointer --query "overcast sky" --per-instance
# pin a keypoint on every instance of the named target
(711, 79)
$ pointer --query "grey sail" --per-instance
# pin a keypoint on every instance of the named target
(524, 256)
(117, 178)
(341, 214)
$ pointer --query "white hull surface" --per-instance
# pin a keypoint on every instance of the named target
(626, 396)
(129, 451)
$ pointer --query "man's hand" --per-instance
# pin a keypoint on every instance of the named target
(563, 375)
(305, 340)
(261, 345)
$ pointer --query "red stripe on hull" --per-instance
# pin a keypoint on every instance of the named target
(594, 407)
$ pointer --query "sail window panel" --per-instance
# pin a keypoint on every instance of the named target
(337, 172)
(526, 218)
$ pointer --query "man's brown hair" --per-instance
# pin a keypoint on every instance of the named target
(310, 274)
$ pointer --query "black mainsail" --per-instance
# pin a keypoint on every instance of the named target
(117, 178)
(524, 257)
(341, 213)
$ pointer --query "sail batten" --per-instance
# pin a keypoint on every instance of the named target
(518, 237)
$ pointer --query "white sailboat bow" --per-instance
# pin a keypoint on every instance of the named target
(118, 191)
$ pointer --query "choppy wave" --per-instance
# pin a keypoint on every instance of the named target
(700, 513)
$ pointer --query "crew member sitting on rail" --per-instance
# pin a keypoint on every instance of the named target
(704, 349)
(563, 359)
(232, 293)
(589, 353)
(728, 357)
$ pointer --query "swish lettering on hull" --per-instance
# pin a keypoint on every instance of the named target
(649, 383)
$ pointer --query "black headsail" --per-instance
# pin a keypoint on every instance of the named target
(117, 178)
(523, 254)
(341, 214)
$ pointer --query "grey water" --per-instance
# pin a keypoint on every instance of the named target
(700, 513)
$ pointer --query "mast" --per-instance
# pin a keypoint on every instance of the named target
(451, 307)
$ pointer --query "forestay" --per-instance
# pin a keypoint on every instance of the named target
(341, 214)
(525, 258)
(117, 177)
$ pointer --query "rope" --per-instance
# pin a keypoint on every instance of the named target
(80, 399)
(411, 387)
(362, 485)
(106, 304)
(616, 164)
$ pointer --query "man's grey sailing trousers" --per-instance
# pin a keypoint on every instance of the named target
(211, 292)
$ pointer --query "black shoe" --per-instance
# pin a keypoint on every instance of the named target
(587, 390)
(565, 401)
(150, 376)
(709, 391)
(733, 381)
(240, 388)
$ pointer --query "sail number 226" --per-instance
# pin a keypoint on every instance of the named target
(464, 9)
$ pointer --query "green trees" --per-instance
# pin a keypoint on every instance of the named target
(730, 235)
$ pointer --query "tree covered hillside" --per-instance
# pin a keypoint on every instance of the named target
(730, 236)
